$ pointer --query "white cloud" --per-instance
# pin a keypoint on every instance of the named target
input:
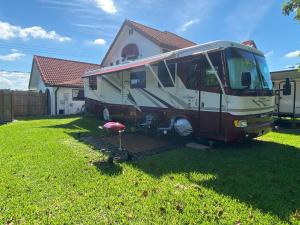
(270, 53)
(8, 31)
(99, 41)
(245, 17)
(14, 80)
(14, 56)
(107, 6)
(189, 13)
(186, 25)
(293, 54)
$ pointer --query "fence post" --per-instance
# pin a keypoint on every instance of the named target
(12, 105)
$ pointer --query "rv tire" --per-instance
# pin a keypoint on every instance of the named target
(183, 127)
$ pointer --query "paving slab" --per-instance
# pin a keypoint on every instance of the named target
(195, 145)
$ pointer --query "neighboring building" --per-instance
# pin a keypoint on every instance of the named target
(133, 41)
(287, 105)
(61, 80)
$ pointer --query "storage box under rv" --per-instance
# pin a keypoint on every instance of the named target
(219, 90)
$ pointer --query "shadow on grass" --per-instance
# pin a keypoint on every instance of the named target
(82, 126)
(111, 169)
(289, 131)
(265, 175)
(288, 126)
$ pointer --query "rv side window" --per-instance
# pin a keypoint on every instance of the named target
(138, 79)
(93, 82)
(209, 78)
(164, 76)
(188, 72)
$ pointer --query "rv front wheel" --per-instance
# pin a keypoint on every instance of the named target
(183, 127)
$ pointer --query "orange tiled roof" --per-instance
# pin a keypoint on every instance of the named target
(61, 72)
(162, 38)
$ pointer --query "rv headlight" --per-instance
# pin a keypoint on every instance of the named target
(240, 123)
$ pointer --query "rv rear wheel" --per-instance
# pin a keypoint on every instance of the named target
(183, 127)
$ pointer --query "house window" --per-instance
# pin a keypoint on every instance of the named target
(130, 52)
(130, 32)
(117, 62)
(111, 64)
(138, 79)
(131, 58)
(93, 82)
(77, 95)
(164, 76)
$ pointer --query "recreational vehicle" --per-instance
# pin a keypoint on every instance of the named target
(219, 91)
(287, 104)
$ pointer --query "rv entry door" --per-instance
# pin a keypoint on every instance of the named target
(210, 96)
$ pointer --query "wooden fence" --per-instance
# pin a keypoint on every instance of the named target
(15, 104)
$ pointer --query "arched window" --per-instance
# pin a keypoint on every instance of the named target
(130, 52)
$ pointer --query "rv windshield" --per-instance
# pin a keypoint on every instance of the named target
(240, 61)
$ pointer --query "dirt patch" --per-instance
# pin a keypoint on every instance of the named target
(136, 145)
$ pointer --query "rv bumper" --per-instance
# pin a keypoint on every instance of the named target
(257, 130)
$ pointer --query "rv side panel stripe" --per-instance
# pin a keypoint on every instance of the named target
(112, 84)
(157, 98)
(150, 99)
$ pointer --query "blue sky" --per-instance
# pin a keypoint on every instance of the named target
(83, 29)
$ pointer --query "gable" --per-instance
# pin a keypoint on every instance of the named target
(35, 81)
(125, 37)
(150, 40)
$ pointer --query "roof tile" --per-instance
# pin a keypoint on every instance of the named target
(163, 38)
(61, 72)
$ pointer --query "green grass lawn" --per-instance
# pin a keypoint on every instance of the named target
(48, 177)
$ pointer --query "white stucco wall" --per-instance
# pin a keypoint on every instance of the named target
(146, 47)
(64, 95)
(65, 102)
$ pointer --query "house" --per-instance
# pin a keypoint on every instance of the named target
(136, 41)
(61, 80)
(133, 41)
(287, 105)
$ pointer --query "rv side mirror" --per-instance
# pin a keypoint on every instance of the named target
(287, 88)
(246, 79)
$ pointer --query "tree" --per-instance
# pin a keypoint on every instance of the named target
(290, 7)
